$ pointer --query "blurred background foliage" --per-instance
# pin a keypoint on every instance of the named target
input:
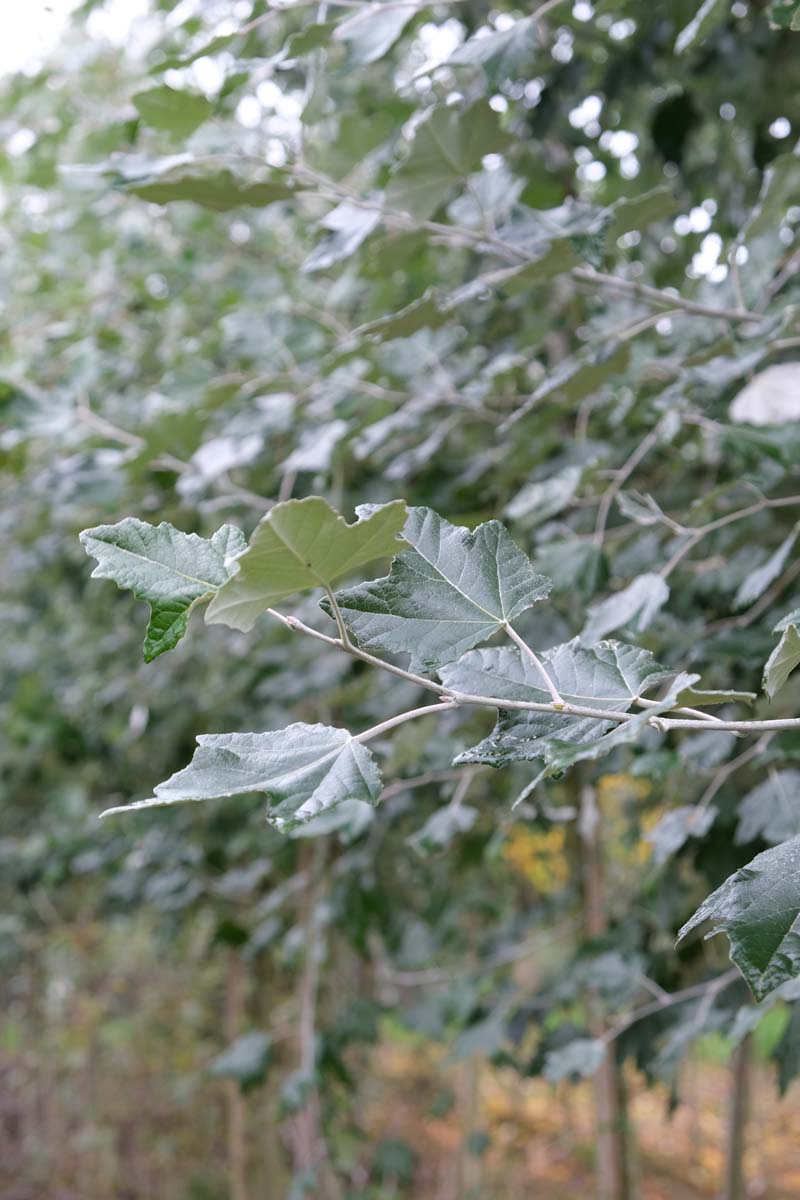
(231, 273)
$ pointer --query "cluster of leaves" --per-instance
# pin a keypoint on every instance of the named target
(458, 255)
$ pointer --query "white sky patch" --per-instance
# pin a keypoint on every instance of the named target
(588, 110)
(31, 33)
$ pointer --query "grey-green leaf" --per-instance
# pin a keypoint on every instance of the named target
(610, 676)
(447, 146)
(303, 769)
(245, 1060)
(771, 810)
(175, 112)
(757, 582)
(634, 608)
(759, 909)
(171, 570)
(210, 187)
(302, 544)
(453, 589)
(373, 30)
(783, 660)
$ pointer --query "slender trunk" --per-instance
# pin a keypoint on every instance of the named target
(735, 1186)
(236, 1110)
(612, 1133)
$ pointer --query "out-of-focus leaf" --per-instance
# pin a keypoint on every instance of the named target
(349, 225)
(759, 909)
(771, 811)
(448, 145)
(503, 55)
(443, 827)
(577, 1060)
(538, 501)
(757, 582)
(246, 1060)
(633, 608)
(373, 30)
(676, 827)
(211, 187)
(175, 112)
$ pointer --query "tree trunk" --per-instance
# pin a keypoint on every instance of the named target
(612, 1132)
(236, 1110)
(735, 1186)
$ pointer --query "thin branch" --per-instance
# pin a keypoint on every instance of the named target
(537, 662)
(696, 535)
(725, 772)
(427, 710)
(621, 476)
(452, 699)
(658, 296)
(709, 991)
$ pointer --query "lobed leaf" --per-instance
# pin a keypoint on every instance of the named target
(759, 909)
(302, 544)
(611, 676)
(303, 769)
(452, 589)
(783, 660)
(171, 570)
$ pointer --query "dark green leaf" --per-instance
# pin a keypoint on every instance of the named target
(173, 111)
(452, 589)
(759, 909)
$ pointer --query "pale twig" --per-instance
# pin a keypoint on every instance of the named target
(696, 535)
(731, 767)
(709, 991)
(620, 477)
(537, 662)
(454, 698)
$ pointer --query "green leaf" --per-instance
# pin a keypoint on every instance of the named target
(560, 755)
(443, 827)
(303, 769)
(175, 112)
(759, 909)
(577, 1060)
(447, 146)
(424, 313)
(637, 212)
(757, 582)
(540, 500)
(783, 660)
(452, 589)
(611, 676)
(373, 30)
(302, 544)
(582, 375)
(710, 14)
(349, 225)
(785, 14)
(770, 811)
(245, 1060)
(634, 608)
(703, 698)
(171, 570)
(211, 187)
(503, 55)
(676, 827)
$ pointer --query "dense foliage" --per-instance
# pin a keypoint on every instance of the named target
(267, 270)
